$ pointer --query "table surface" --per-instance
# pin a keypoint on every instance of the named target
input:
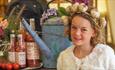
(46, 69)
(42, 68)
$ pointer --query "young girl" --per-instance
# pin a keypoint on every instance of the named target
(88, 51)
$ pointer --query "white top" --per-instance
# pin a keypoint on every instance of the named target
(101, 58)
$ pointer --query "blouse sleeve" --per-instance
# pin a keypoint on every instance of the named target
(111, 56)
(112, 63)
(59, 63)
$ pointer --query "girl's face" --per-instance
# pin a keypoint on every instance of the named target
(81, 31)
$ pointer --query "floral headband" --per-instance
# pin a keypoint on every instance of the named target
(82, 8)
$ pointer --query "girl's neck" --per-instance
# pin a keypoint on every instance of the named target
(82, 51)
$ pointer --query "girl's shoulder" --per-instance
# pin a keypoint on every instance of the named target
(104, 48)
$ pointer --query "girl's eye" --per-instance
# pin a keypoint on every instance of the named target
(84, 29)
(73, 27)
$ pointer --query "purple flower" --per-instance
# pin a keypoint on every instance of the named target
(52, 12)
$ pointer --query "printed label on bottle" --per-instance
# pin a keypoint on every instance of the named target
(32, 50)
(11, 56)
(21, 58)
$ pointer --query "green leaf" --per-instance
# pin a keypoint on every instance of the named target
(12, 26)
(7, 34)
(62, 11)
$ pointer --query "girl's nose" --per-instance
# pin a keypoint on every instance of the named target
(78, 32)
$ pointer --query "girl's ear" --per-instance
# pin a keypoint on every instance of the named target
(94, 33)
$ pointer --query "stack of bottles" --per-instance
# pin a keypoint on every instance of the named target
(23, 50)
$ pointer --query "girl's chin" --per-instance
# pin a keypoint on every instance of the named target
(77, 43)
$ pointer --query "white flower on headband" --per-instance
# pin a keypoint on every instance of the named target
(95, 13)
(82, 7)
(75, 7)
(68, 9)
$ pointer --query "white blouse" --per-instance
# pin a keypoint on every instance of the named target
(101, 58)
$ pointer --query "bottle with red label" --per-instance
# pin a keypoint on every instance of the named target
(33, 54)
(21, 51)
(11, 51)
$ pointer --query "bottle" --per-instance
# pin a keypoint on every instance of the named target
(11, 51)
(20, 51)
(32, 49)
(22, 30)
